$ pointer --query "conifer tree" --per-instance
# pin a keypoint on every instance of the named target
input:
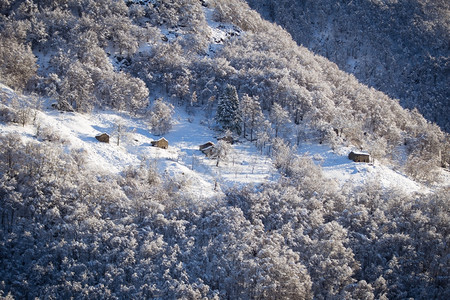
(228, 115)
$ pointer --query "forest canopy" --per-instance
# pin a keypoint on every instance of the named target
(69, 230)
(114, 54)
(398, 47)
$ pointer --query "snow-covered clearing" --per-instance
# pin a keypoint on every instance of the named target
(336, 165)
(183, 161)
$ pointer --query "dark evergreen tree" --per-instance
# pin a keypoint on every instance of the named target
(228, 115)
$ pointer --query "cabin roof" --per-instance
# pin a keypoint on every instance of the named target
(360, 153)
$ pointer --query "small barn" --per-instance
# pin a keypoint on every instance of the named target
(208, 149)
(205, 145)
(104, 138)
(358, 156)
(161, 143)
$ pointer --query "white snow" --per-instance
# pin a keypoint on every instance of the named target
(336, 165)
(220, 32)
(357, 152)
(184, 162)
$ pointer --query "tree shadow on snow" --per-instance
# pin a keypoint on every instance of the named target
(102, 129)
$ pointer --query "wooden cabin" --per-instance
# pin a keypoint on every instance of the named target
(358, 156)
(208, 149)
(161, 143)
(103, 138)
(205, 145)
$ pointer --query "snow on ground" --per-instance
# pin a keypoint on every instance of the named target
(336, 165)
(243, 165)
(183, 161)
(220, 32)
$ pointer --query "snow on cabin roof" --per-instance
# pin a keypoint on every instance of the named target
(360, 152)
(206, 145)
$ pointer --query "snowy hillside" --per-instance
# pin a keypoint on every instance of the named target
(250, 193)
(336, 165)
(244, 165)
(398, 47)
(93, 202)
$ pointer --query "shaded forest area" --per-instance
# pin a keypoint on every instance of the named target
(398, 47)
(68, 231)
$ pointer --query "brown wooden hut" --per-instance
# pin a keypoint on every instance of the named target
(104, 138)
(205, 145)
(358, 156)
(208, 149)
(161, 143)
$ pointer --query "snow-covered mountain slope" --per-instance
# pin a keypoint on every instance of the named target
(398, 47)
(181, 159)
(337, 166)
(245, 164)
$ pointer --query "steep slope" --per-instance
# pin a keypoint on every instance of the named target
(398, 47)
(245, 164)
(118, 53)
(286, 215)
(79, 217)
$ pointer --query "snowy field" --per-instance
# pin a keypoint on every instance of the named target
(181, 160)
(184, 162)
(336, 165)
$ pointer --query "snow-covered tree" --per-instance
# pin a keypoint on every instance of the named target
(160, 117)
(17, 63)
(282, 154)
(228, 115)
(193, 102)
(279, 118)
(263, 135)
(120, 131)
(222, 150)
(251, 113)
(76, 89)
(23, 112)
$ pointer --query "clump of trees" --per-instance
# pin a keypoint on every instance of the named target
(18, 64)
(160, 117)
(252, 115)
(67, 230)
(398, 47)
